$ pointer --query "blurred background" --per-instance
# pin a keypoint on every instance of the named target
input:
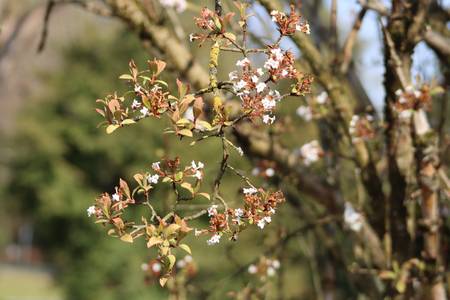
(54, 160)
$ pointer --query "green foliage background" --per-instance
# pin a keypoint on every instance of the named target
(60, 161)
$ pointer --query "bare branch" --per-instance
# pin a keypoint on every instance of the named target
(350, 41)
(375, 5)
(437, 42)
(44, 33)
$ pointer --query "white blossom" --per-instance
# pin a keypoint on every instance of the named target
(402, 99)
(156, 267)
(276, 264)
(255, 171)
(267, 119)
(240, 151)
(91, 210)
(278, 53)
(255, 78)
(188, 258)
(261, 223)
(215, 239)
(144, 267)
(252, 269)
(153, 179)
(137, 88)
(198, 175)
(308, 29)
(270, 172)
(191, 37)
(352, 218)
(284, 73)
(115, 197)
(250, 191)
(144, 111)
(270, 271)
(268, 104)
(197, 166)
(405, 114)
(136, 104)
(267, 219)
(233, 75)
(179, 5)
(260, 72)
(212, 210)
(310, 152)
(260, 87)
(409, 89)
(271, 64)
(181, 264)
(322, 98)
(243, 62)
(238, 212)
(155, 166)
(239, 85)
(299, 27)
(398, 92)
(304, 112)
(417, 93)
(275, 94)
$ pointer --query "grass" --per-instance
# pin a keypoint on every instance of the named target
(27, 283)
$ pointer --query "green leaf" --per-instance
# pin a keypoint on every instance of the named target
(185, 248)
(111, 128)
(187, 186)
(178, 176)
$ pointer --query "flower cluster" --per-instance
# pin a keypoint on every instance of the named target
(289, 24)
(213, 24)
(314, 108)
(259, 207)
(266, 267)
(179, 5)
(252, 84)
(361, 127)
(108, 209)
(150, 98)
(310, 152)
(411, 99)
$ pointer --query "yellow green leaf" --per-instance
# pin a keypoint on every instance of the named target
(154, 241)
(205, 195)
(110, 129)
(127, 238)
(185, 132)
(185, 248)
(128, 122)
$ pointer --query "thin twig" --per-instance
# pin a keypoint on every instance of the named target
(44, 32)
(350, 41)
